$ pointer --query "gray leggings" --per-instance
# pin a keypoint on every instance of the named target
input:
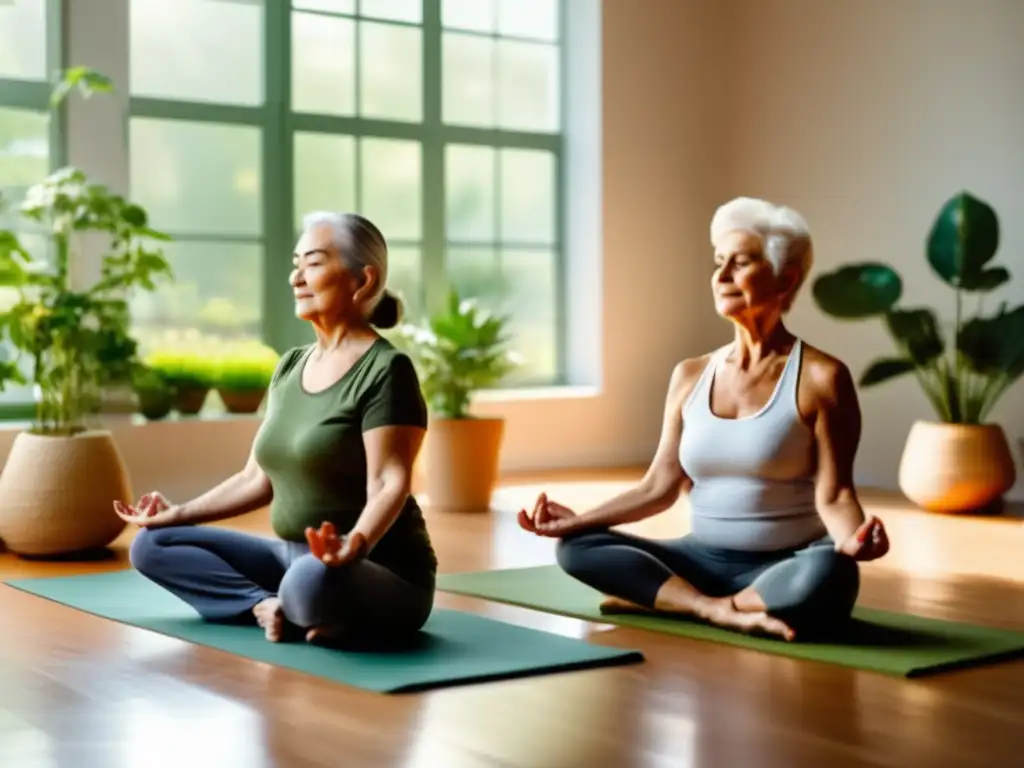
(813, 588)
(223, 574)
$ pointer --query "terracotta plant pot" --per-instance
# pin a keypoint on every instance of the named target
(461, 463)
(57, 493)
(242, 401)
(956, 467)
(189, 401)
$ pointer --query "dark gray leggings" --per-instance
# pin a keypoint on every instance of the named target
(223, 574)
(812, 589)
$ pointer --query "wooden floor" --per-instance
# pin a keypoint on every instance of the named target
(79, 691)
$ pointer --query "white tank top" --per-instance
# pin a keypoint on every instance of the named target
(753, 477)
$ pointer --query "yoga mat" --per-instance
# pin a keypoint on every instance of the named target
(890, 643)
(453, 648)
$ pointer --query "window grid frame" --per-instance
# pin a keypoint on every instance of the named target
(279, 125)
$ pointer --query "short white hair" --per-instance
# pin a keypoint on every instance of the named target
(358, 241)
(784, 233)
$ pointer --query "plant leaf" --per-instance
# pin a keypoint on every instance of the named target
(917, 331)
(985, 281)
(962, 240)
(88, 81)
(885, 369)
(858, 290)
(994, 345)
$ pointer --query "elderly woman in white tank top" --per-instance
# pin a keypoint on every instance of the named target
(762, 435)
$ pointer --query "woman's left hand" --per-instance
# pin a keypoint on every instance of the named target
(869, 542)
(333, 550)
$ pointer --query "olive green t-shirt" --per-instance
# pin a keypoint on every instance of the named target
(311, 447)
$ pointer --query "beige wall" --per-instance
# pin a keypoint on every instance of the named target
(703, 100)
(867, 115)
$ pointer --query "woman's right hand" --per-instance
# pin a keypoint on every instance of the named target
(152, 511)
(549, 518)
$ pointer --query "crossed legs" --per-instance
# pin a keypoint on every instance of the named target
(229, 576)
(801, 593)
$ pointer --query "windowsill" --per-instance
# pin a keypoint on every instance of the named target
(488, 397)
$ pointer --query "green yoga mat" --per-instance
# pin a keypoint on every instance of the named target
(890, 643)
(453, 648)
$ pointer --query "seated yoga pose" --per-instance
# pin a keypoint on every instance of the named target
(333, 458)
(762, 435)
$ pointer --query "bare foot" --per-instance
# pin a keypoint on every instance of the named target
(618, 605)
(270, 616)
(722, 613)
(323, 635)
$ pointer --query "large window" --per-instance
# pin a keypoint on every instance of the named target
(438, 119)
(29, 139)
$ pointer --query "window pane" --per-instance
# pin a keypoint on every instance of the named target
(324, 174)
(331, 6)
(520, 284)
(469, 189)
(24, 158)
(474, 273)
(468, 80)
(530, 300)
(528, 91)
(476, 15)
(23, 39)
(390, 72)
(323, 64)
(399, 10)
(527, 196)
(405, 278)
(537, 19)
(197, 177)
(390, 188)
(180, 50)
(217, 294)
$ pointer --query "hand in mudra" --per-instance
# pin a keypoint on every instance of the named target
(549, 518)
(331, 549)
(153, 510)
(869, 542)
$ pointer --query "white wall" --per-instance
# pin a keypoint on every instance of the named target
(867, 115)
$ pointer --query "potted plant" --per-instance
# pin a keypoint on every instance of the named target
(190, 372)
(961, 462)
(61, 475)
(154, 395)
(243, 376)
(458, 351)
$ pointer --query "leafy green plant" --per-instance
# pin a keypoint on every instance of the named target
(185, 368)
(76, 338)
(456, 352)
(963, 380)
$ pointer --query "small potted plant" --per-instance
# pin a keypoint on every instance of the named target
(458, 351)
(961, 462)
(155, 396)
(61, 474)
(190, 372)
(243, 376)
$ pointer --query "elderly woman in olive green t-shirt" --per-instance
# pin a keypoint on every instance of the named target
(345, 419)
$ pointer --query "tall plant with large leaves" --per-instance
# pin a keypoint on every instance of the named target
(72, 335)
(963, 380)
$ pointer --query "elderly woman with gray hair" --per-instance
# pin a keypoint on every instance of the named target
(762, 435)
(345, 419)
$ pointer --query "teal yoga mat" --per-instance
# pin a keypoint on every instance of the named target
(453, 648)
(890, 643)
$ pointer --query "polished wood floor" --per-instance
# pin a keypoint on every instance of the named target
(79, 691)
